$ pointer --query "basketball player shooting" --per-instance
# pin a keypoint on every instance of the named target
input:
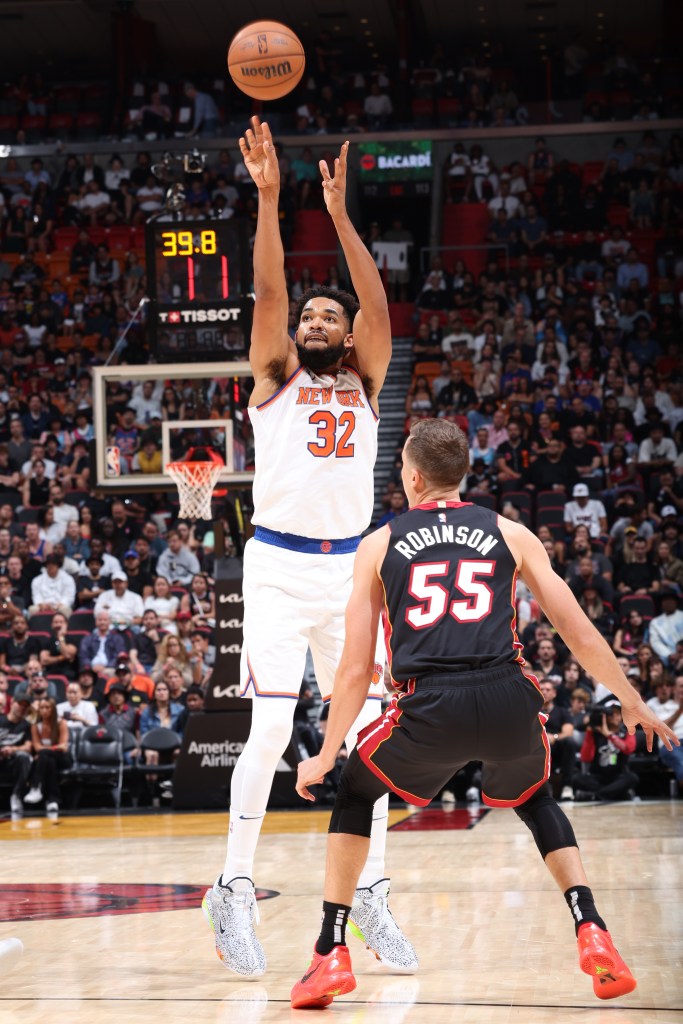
(443, 575)
(314, 414)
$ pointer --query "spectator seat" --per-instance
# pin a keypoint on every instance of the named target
(523, 501)
(82, 620)
(551, 499)
(27, 515)
(642, 603)
(65, 238)
(100, 760)
(61, 683)
(11, 497)
(40, 622)
(483, 499)
(88, 125)
(60, 125)
(35, 127)
(9, 125)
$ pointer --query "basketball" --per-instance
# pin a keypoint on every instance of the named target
(266, 60)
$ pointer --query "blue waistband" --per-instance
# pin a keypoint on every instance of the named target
(307, 545)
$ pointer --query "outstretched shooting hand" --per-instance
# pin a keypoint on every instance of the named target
(259, 155)
(334, 188)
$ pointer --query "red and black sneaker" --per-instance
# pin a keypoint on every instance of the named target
(598, 957)
(326, 977)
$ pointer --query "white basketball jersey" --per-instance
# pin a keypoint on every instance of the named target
(316, 445)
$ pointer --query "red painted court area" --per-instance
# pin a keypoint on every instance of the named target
(439, 819)
(24, 902)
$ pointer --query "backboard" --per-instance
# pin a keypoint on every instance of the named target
(147, 416)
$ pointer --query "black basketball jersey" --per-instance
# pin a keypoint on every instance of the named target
(449, 583)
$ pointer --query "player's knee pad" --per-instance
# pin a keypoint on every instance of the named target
(356, 796)
(547, 822)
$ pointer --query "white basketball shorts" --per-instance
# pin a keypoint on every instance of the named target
(293, 601)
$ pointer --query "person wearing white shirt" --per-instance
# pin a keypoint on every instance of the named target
(377, 107)
(53, 590)
(50, 466)
(177, 563)
(666, 629)
(77, 713)
(670, 710)
(63, 513)
(656, 450)
(124, 607)
(505, 201)
(585, 511)
(663, 402)
(146, 405)
(110, 564)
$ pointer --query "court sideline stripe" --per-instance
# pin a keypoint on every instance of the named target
(359, 1002)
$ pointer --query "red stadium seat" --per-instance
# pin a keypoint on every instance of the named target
(9, 124)
(448, 109)
(591, 172)
(88, 125)
(65, 238)
(61, 125)
(35, 127)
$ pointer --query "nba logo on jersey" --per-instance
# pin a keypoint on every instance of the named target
(442, 517)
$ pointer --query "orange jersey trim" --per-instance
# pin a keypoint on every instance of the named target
(280, 391)
(352, 369)
(258, 692)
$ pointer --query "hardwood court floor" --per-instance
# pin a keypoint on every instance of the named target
(495, 939)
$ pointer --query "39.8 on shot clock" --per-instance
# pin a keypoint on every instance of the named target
(197, 287)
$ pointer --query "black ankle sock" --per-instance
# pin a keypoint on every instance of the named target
(582, 905)
(333, 929)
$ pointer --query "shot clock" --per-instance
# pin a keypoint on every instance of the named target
(198, 288)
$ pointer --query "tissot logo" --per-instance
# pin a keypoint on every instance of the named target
(230, 623)
(199, 316)
(230, 598)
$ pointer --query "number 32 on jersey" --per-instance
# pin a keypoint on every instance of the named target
(472, 607)
(333, 436)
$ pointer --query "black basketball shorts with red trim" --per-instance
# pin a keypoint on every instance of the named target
(440, 723)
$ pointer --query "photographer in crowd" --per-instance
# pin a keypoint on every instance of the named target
(606, 750)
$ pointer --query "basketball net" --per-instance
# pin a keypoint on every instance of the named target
(195, 482)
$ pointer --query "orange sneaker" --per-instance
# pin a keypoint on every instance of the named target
(599, 958)
(326, 977)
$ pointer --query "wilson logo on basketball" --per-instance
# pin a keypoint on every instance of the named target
(367, 162)
(269, 71)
